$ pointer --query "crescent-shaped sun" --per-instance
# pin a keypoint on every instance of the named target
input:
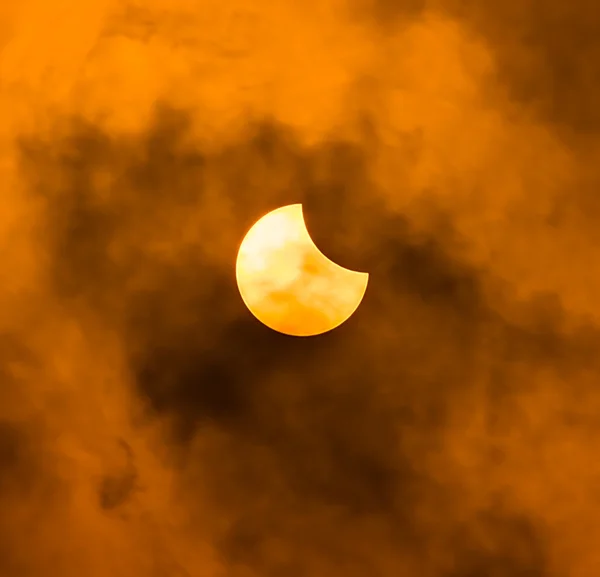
(288, 284)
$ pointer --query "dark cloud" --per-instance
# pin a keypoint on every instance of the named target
(547, 54)
(26, 489)
(149, 425)
(118, 485)
(13, 455)
(307, 456)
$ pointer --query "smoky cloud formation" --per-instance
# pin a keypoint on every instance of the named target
(149, 425)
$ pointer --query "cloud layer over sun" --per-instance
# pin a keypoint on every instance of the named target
(150, 426)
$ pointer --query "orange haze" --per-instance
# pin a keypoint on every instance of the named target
(149, 427)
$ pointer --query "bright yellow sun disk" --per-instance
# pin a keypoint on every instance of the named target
(288, 284)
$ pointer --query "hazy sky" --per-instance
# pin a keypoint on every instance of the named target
(151, 427)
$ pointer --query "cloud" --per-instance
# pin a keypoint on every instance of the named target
(299, 454)
(149, 425)
(547, 57)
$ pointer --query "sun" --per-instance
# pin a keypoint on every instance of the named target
(288, 284)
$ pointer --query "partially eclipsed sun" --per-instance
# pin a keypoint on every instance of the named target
(288, 284)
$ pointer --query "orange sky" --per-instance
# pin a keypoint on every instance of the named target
(149, 426)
